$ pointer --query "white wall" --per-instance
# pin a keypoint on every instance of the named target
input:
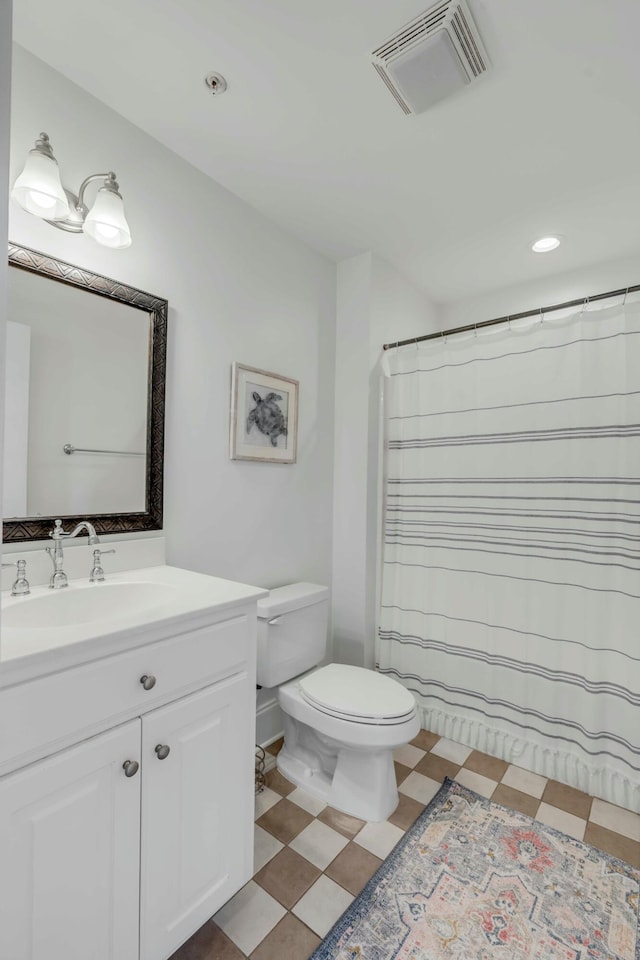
(238, 289)
(574, 285)
(350, 466)
(375, 304)
(5, 111)
(16, 420)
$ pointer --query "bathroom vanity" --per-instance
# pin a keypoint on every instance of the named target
(127, 713)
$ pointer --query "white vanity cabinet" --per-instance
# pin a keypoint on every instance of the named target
(126, 807)
(69, 853)
(196, 806)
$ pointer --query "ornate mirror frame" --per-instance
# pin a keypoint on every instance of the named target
(37, 528)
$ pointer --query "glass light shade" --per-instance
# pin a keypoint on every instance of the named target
(38, 189)
(106, 223)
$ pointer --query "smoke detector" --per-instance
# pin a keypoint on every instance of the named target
(438, 53)
(215, 83)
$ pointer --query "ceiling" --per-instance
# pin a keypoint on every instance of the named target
(547, 141)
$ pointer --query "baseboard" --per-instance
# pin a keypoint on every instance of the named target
(544, 756)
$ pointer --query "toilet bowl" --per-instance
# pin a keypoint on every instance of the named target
(341, 723)
(341, 751)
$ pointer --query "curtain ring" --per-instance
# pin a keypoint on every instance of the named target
(541, 315)
(585, 304)
(416, 343)
(475, 329)
(626, 294)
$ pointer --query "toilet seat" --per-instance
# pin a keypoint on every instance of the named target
(357, 695)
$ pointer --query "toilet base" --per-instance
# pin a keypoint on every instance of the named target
(358, 781)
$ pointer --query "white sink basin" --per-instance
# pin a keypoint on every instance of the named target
(95, 603)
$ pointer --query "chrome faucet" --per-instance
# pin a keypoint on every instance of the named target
(59, 577)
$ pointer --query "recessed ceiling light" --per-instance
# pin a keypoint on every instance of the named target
(545, 244)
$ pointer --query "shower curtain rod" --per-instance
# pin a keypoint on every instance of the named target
(513, 316)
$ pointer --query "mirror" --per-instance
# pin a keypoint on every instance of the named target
(84, 409)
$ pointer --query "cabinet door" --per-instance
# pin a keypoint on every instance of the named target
(69, 853)
(197, 802)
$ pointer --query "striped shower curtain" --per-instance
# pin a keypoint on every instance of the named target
(510, 600)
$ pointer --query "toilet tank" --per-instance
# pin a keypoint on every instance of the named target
(292, 631)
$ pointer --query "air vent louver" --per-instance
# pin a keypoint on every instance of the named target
(434, 55)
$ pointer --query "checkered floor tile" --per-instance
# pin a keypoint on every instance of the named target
(311, 861)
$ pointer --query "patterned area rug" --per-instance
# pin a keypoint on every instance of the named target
(472, 880)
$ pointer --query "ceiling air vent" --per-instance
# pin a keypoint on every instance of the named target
(433, 56)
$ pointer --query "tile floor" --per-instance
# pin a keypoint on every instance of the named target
(311, 861)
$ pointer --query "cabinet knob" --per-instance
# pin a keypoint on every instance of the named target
(148, 681)
(162, 751)
(130, 768)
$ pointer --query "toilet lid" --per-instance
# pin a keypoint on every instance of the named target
(354, 693)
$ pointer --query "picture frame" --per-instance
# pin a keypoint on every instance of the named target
(264, 415)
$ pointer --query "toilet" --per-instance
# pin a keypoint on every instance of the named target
(341, 723)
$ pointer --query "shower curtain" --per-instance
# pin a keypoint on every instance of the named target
(510, 598)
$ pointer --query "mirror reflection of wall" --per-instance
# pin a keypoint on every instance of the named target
(77, 373)
(16, 420)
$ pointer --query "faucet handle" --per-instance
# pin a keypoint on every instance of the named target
(21, 587)
(57, 533)
(97, 573)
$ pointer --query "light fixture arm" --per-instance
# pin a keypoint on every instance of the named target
(77, 206)
(110, 183)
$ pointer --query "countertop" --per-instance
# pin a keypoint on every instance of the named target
(191, 598)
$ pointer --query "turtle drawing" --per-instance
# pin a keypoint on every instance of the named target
(268, 417)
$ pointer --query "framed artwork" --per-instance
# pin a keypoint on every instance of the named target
(264, 415)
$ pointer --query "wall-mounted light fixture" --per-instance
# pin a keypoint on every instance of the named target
(39, 191)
